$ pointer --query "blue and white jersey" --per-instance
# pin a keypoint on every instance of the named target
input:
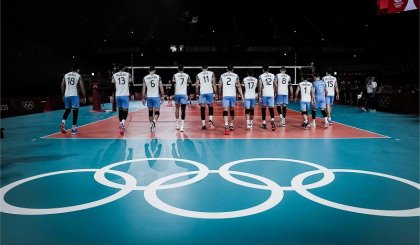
(305, 91)
(331, 82)
(228, 81)
(283, 82)
(267, 80)
(71, 80)
(205, 79)
(121, 80)
(152, 82)
(319, 89)
(181, 81)
(250, 84)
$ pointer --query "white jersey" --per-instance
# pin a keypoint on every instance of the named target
(250, 84)
(283, 82)
(71, 80)
(122, 80)
(181, 81)
(370, 87)
(228, 81)
(267, 79)
(331, 83)
(305, 91)
(206, 82)
(152, 85)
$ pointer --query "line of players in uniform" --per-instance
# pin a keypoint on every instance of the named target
(316, 95)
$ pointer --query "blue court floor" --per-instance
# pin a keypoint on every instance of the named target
(210, 191)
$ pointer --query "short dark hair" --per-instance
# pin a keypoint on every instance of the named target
(316, 74)
(230, 67)
(282, 68)
(204, 66)
(152, 68)
(250, 72)
(180, 67)
(328, 70)
(307, 77)
(121, 67)
(265, 68)
(75, 67)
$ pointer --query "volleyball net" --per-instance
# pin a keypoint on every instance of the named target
(166, 72)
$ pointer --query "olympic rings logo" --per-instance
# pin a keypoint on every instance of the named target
(27, 105)
(150, 191)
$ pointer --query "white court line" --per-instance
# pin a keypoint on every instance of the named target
(381, 136)
(43, 137)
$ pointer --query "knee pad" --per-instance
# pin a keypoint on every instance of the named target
(251, 111)
(324, 113)
(225, 113)
(271, 110)
(203, 113)
(150, 113)
(313, 114)
(157, 113)
(232, 112)
(304, 113)
(247, 111)
(183, 112)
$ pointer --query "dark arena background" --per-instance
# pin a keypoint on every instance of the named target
(351, 180)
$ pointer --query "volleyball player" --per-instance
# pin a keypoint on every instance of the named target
(206, 86)
(306, 98)
(122, 81)
(181, 81)
(332, 87)
(320, 90)
(153, 84)
(282, 100)
(229, 82)
(250, 84)
(71, 98)
(267, 83)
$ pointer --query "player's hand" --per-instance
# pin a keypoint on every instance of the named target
(144, 102)
(161, 100)
(63, 99)
(337, 97)
(83, 100)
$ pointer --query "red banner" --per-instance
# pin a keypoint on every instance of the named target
(396, 6)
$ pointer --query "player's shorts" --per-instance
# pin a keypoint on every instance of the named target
(249, 103)
(330, 100)
(181, 99)
(282, 99)
(206, 99)
(153, 102)
(229, 101)
(267, 100)
(121, 101)
(305, 106)
(320, 104)
(72, 102)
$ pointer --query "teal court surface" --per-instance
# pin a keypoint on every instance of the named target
(356, 182)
